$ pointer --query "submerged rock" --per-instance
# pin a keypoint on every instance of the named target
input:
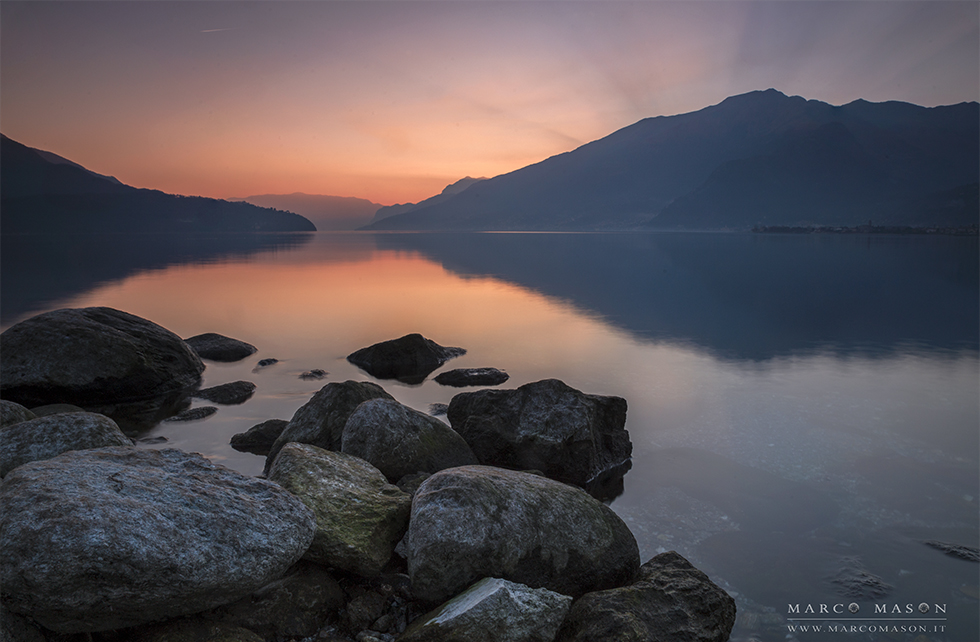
(493, 609)
(228, 394)
(93, 356)
(104, 539)
(399, 440)
(359, 516)
(472, 377)
(321, 420)
(968, 553)
(12, 412)
(193, 414)
(259, 438)
(313, 374)
(408, 359)
(672, 600)
(548, 426)
(266, 362)
(51, 435)
(217, 347)
(858, 583)
(473, 522)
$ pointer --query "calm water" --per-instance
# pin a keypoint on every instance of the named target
(799, 406)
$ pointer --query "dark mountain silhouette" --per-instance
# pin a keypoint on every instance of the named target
(761, 158)
(326, 212)
(45, 193)
(448, 192)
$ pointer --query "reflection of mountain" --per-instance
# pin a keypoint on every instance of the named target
(760, 158)
(744, 296)
(45, 193)
(36, 270)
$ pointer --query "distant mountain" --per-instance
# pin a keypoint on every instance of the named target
(326, 212)
(44, 193)
(761, 158)
(450, 191)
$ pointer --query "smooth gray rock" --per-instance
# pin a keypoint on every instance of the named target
(321, 420)
(228, 394)
(259, 438)
(12, 412)
(493, 609)
(473, 522)
(399, 440)
(217, 347)
(93, 356)
(115, 537)
(408, 359)
(472, 377)
(548, 426)
(51, 435)
(671, 601)
(359, 516)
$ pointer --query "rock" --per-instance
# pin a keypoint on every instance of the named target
(359, 515)
(193, 629)
(51, 435)
(410, 483)
(103, 539)
(570, 436)
(364, 609)
(159, 439)
(672, 600)
(266, 362)
(968, 553)
(12, 412)
(16, 628)
(472, 377)
(409, 359)
(314, 374)
(399, 440)
(321, 420)
(856, 582)
(297, 605)
(473, 522)
(438, 409)
(55, 409)
(258, 439)
(493, 609)
(93, 356)
(217, 347)
(194, 414)
(228, 394)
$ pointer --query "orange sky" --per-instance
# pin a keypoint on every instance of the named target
(391, 101)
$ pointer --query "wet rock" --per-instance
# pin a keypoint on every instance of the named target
(321, 420)
(169, 533)
(672, 600)
(266, 362)
(473, 522)
(408, 359)
(217, 347)
(856, 582)
(314, 374)
(259, 438)
(194, 414)
(399, 440)
(228, 394)
(55, 409)
(12, 412)
(93, 356)
(297, 605)
(493, 609)
(51, 435)
(472, 377)
(193, 629)
(159, 439)
(359, 515)
(968, 553)
(570, 436)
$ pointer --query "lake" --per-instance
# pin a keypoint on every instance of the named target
(803, 408)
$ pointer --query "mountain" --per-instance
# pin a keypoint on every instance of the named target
(449, 191)
(41, 192)
(761, 158)
(326, 212)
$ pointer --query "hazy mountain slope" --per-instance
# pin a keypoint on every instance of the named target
(41, 196)
(760, 157)
(326, 212)
(448, 192)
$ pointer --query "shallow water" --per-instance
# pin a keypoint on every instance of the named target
(800, 407)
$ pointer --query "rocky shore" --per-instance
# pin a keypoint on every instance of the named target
(373, 522)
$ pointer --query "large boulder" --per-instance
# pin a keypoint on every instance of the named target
(359, 516)
(93, 356)
(115, 537)
(408, 359)
(321, 420)
(493, 609)
(12, 412)
(548, 426)
(217, 347)
(473, 522)
(672, 600)
(400, 441)
(51, 435)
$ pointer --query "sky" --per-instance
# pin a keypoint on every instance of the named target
(392, 101)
